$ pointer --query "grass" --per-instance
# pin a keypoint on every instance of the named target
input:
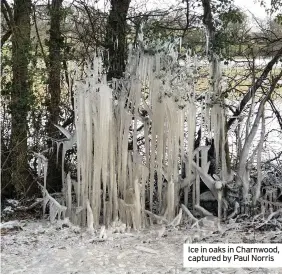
(238, 79)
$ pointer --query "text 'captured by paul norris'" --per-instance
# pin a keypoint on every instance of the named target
(233, 255)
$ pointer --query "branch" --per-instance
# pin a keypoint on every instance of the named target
(250, 137)
(5, 37)
(8, 13)
(187, 18)
(274, 158)
(160, 218)
(189, 214)
(69, 120)
(203, 210)
(279, 211)
(254, 88)
(39, 40)
(99, 43)
(276, 112)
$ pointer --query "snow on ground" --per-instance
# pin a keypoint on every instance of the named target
(41, 247)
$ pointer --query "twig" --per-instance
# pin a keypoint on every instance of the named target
(203, 210)
(146, 249)
(176, 221)
(270, 217)
(160, 218)
(236, 207)
(189, 214)
(26, 208)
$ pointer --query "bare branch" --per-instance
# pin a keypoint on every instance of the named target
(39, 39)
(276, 112)
(255, 87)
(5, 37)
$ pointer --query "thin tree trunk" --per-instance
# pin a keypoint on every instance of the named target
(116, 38)
(54, 90)
(21, 97)
(242, 169)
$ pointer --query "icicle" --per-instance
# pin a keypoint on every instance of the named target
(105, 119)
(216, 127)
(224, 172)
(104, 165)
(137, 214)
(112, 208)
(259, 152)
(58, 144)
(207, 41)
(89, 217)
(124, 152)
(144, 176)
(55, 209)
(69, 196)
(160, 145)
(181, 133)
(197, 183)
(191, 136)
(152, 163)
(42, 167)
(170, 201)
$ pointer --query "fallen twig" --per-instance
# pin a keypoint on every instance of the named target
(203, 210)
(146, 249)
(235, 212)
(160, 218)
(27, 208)
(190, 215)
(176, 221)
(270, 217)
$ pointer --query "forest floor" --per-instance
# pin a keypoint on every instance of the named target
(36, 246)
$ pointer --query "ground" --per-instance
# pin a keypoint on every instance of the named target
(40, 247)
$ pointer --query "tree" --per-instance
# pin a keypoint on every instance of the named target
(21, 97)
(233, 33)
(115, 43)
(54, 88)
(252, 124)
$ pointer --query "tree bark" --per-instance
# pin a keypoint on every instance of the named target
(116, 39)
(54, 179)
(21, 97)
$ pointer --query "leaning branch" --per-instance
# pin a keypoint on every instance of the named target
(276, 112)
(254, 88)
(159, 218)
(39, 39)
(8, 13)
(5, 37)
(189, 214)
(279, 211)
(250, 137)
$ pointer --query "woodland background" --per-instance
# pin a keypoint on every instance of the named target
(42, 40)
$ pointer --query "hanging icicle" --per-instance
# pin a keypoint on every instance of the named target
(127, 147)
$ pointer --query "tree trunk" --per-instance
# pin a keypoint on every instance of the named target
(54, 179)
(21, 97)
(116, 39)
